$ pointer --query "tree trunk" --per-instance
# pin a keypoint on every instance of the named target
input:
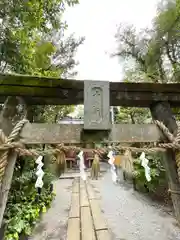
(161, 111)
(30, 114)
(132, 118)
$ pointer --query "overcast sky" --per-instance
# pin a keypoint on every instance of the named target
(97, 20)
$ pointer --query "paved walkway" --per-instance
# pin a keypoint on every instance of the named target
(86, 221)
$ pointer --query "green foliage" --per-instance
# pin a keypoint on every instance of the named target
(49, 113)
(24, 207)
(32, 37)
(154, 52)
(133, 115)
(157, 172)
(22, 23)
(32, 42)
(80, 111)
(55, 113)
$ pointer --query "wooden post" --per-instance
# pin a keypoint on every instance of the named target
(89, 156)
(6, 183)
(161, 111)
(8, 112)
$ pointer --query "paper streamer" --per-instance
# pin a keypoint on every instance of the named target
(39, 173)
(111, 162)
(82, 166)
(144, 164)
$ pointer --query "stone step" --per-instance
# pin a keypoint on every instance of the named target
(73, 231)
(98, 218)
(83, 198)
(74, 210)
(87, 230)
(103, 235)
(75, 188)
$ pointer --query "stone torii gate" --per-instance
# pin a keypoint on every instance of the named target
(97, 97)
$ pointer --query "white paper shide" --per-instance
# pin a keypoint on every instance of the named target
(82, 166)
(111, 162)
(39, 173)
(144, 164)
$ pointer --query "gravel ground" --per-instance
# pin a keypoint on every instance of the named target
(131, 216)
(53, 224)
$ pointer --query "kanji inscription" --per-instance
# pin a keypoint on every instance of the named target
(96, 105)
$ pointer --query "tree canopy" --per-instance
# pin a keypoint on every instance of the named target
(32, 42)
(151, 54)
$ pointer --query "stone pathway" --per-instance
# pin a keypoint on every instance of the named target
(86, 221)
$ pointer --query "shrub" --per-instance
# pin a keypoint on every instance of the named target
(24, 204)
(158, 185)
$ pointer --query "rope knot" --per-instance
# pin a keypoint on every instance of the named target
(8, 143)
(174, 141)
